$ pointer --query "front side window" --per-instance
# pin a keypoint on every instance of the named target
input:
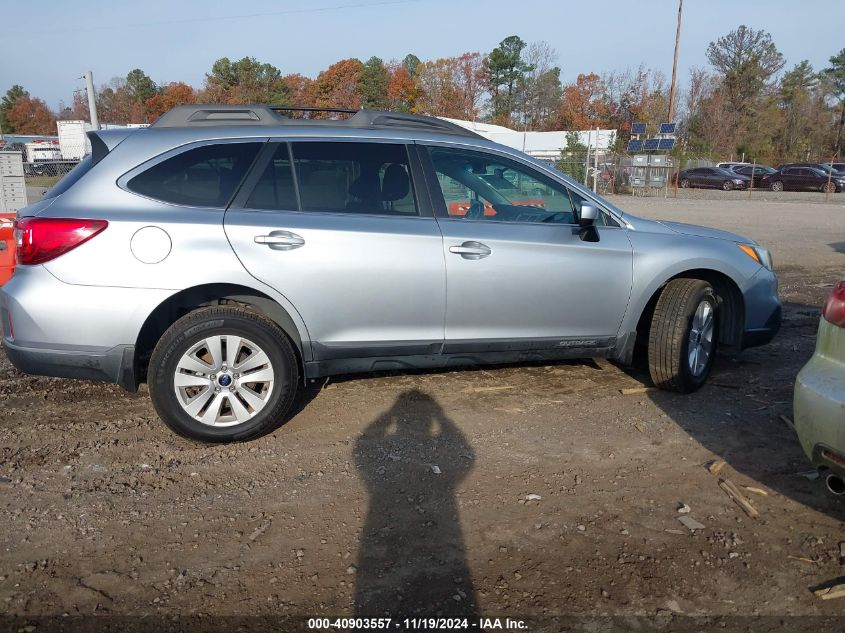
(480, 186)
(372, 178)
(206, 176)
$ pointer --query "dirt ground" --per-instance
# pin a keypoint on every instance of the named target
(526, 491)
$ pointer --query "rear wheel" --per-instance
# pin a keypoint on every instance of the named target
(223, 374)
(777, 185)
(683, 335)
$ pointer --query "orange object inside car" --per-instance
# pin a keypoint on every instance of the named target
(7, 246)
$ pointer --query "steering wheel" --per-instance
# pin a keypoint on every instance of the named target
(475, 210)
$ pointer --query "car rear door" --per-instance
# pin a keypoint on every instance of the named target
(519, 278)
(339, 229)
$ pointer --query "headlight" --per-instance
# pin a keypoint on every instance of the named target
(761, 255)
(739, 181)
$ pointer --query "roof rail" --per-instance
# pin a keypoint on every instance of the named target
(268, 116)
(217, 115)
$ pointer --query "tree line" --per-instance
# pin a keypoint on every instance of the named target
(744, 103)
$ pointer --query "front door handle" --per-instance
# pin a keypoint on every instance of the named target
(280, 240)
(471, 250)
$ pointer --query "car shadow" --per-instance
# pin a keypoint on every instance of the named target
(743, 414)
(839, 247)
(412, 559)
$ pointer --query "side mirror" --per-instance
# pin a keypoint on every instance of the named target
(587, 222)
(588, 215)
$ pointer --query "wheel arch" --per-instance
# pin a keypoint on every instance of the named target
(190, 299)
(731, 306)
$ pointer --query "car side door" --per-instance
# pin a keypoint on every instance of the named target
(519, 276)
(339, 229)
(705, 177)
(791, 178)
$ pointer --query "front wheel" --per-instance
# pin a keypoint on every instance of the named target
(829, 187)
(685, 184)
(223, 374)
(727, 185)
(683, 335)
(777, 185)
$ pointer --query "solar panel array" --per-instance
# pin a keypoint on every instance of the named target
(638, 128)
(635, 146)
(667, 128)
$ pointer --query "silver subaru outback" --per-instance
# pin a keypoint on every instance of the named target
(228, 254)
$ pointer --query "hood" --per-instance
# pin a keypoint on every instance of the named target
(702, 231)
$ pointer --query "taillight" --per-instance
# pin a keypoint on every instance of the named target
(834, 307)
(41, 239)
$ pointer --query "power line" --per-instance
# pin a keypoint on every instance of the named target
(245, 16)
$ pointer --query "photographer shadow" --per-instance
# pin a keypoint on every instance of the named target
(412, 559)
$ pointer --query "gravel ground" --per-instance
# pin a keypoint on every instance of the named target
(524, 491)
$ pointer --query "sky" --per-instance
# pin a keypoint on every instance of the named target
(46, 46)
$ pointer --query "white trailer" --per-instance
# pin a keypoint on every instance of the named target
(72, 140)
(42, 151)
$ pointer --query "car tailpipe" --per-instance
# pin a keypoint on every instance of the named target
(835, 484)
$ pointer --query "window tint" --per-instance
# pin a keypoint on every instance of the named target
(202, 177)
(354, 178)
(479, 186)
(275, 189)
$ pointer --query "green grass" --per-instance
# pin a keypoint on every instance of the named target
(41, 181)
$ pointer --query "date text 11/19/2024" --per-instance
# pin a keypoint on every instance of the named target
(416, 624)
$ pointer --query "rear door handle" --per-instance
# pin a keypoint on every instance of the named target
(471, 250)
(280, 240)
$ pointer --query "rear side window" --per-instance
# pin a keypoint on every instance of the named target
(369, 178)
(275, 189)
(206, 176)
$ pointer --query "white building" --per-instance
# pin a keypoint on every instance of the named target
(543, 145)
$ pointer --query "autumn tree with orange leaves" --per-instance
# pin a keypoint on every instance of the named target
(30, 115)
(339, 86)
(173, 94)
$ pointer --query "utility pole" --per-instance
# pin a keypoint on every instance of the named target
(675, 64)
(92, 100)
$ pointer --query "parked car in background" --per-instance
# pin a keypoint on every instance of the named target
(753, 172)
(228, 254)
(819, 399)
(793, 178)
(836, 166)
(825, 167)
(731, 164)
(712, 177)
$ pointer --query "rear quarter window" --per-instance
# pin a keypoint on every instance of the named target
(206, 176)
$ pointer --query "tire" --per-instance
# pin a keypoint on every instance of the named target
(727, 186)
(669, 359)
(777, 185)
(685, 183)
(829, 187)
(243, 410)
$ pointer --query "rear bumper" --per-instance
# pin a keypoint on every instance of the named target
(819, 412)
(111, 365)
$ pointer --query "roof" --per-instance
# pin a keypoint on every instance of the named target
(216, 115)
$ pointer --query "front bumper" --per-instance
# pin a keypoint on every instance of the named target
(763, 310)
(819, 405)
(116, 364)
